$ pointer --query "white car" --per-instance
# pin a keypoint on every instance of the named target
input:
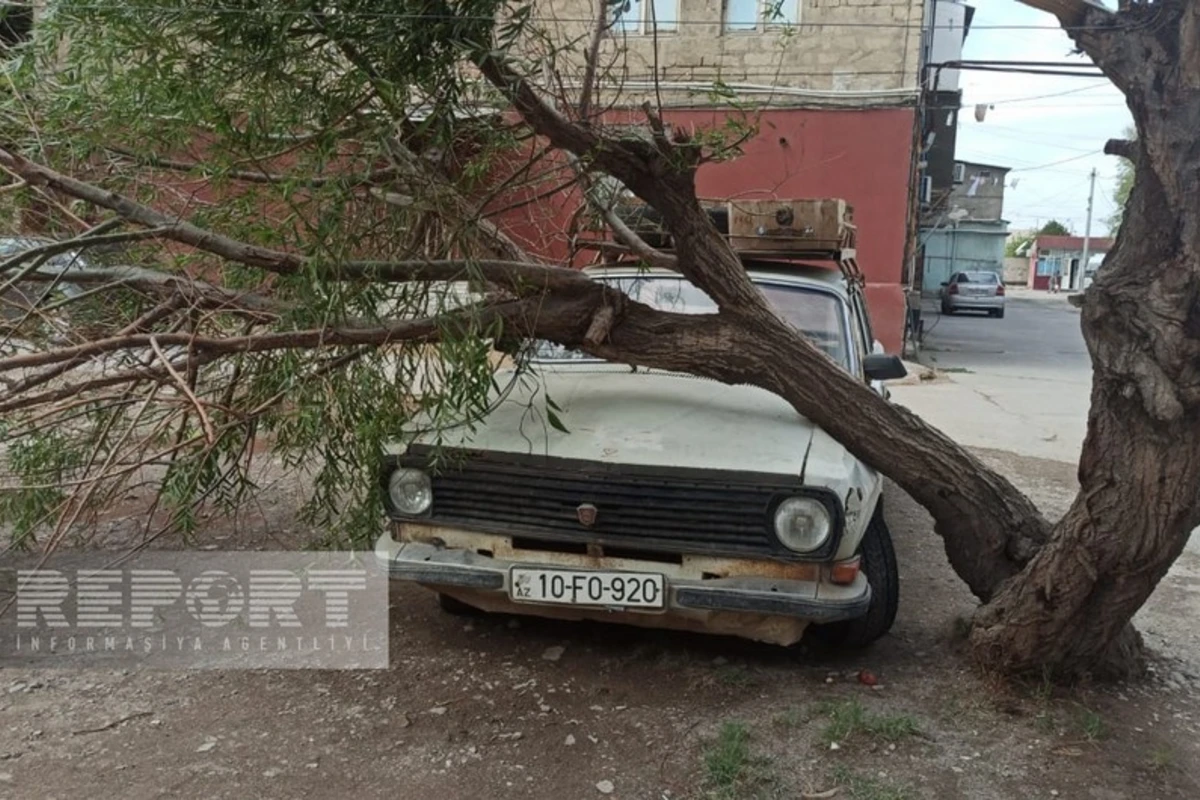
(673, 501)
(16, 301)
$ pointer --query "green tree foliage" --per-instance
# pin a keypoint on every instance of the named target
(1054, 228)
(1122, 188)
(290, 126)
(341, 163)
(1017, 241)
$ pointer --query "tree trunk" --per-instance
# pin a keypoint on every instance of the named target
(1139, 472)
(1065, 607)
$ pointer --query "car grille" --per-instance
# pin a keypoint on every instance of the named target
(673, 511)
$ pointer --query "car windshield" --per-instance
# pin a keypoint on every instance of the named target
(978, 277)
(817, 314)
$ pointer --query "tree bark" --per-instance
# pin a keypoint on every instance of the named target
(1139, 472)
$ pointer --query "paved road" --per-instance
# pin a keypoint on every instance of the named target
(1020, 384)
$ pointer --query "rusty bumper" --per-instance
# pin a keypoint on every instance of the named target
(729, 605)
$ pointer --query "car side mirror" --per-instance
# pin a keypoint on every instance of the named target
(883, 367)
(945, 284)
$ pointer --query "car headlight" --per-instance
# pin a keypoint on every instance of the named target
(410, 491)
(802, 524)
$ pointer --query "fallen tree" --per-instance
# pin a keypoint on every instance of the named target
(291, 304)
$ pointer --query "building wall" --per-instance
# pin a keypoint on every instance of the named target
(1045, 263)
(1016, 270)
(832, 102)
(839, 45)
(981, 191)
(966, 248)
(860, 156)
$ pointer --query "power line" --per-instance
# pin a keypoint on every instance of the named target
(663, 28)
(1026, 140)
(1056, 163)
(1076, 90)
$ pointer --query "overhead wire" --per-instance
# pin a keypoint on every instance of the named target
(663, 26)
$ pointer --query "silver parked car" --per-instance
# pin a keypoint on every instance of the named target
(973, 291)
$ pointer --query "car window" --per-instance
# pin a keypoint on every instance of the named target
(962, 278)
(980, 277)
(816, 314)
(819, 315)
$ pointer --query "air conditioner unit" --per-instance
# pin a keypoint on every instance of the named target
(960, 172)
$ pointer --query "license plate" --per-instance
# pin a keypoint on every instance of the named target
(587, 588)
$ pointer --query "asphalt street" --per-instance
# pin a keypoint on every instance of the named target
(1020, 384)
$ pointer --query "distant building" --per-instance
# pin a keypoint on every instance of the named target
(969, 232)
(1062, 255)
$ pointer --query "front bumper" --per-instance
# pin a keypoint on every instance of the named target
(464, 570)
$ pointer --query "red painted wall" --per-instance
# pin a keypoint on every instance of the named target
(862, 156)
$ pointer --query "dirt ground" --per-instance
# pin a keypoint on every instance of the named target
(498, 707)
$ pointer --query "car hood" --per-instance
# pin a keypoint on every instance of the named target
(653, 418)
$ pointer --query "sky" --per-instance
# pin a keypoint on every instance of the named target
(1034, 124)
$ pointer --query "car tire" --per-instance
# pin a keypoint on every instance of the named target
(1000, 314)
(883, 575)
(456, 607)
(947, 310)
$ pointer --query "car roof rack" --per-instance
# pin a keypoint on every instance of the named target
(777, 230)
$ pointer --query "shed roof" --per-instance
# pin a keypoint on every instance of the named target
(1097, 244)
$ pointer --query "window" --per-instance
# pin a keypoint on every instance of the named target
(960, 172)
(645, 16)
(741, 15)
(818, 315)
(746, 15)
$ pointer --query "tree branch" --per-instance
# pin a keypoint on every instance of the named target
(252, 176)
(172, 228)
(592, 60)
(668, 184)
(79, 243)
(424, 329)
(519, 275)
(200, 293)
(1121, 147)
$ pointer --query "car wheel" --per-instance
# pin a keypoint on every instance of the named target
(947, 310)
(458, 608)
(879, 565)
(1000, 314)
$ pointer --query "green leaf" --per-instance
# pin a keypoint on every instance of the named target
(555, 422)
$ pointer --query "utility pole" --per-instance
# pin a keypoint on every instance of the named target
(1087, 235)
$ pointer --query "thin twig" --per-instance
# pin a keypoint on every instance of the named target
(209, 435)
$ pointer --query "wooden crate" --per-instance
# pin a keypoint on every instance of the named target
(823, 225)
